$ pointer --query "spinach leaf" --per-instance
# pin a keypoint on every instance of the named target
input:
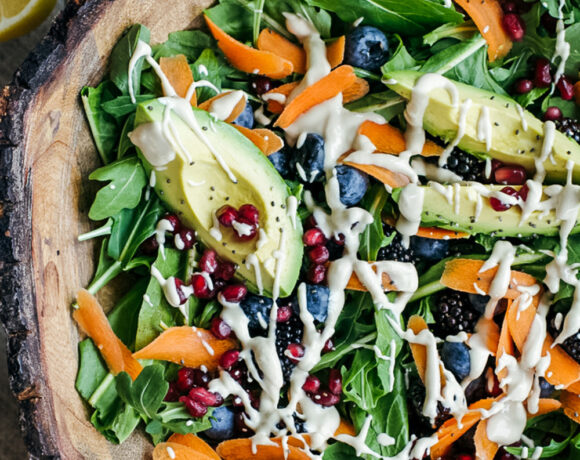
(125, 144)
(154, 309)
(92, 369)
(461, 32)
(211, 309)
(411, 17)
(103, 126)
(274, 12)
(373, 237)
(190, 43)
(235, 17)
(174, 418)
(212, 68)
(400, 59)
(388, 104)
(146, 393)
(127, 178)
(122, 106)
(121, 55)
(124, 316)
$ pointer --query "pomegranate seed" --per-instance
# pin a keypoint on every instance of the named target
(234, 293)
(319, 255)
(514, 26)
(172, 394)
(523, 192)
(249, 213)
(552, 114)
(310, 222)
(506, 456)
(240, 425)
(195, 408)
(209, 261)
(335, 382)
(220, 329)
(205, 397)
(566, 88)
(497, 204)
(325, 398)
(262, 85)
(542, 76)
(179, 288)
(339, 240)
(237, 374)
(316, 274)
(201, 378)
(495, 389)
(254, 399)
(465, 457)
(312, 384)
(229, 358)
(509, 7)
(313, 237)
(495, 164)
(296, 351)
(328, 346)
(244, 230)
(200, 286)
(150, 246)
(524, 86)
(284, 313)
(225, 271)
(174, 222)
(510, 175)
(237, 402)
(185, 379)
(185, 239)
(226, 215)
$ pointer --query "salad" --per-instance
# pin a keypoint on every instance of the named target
(341, 230)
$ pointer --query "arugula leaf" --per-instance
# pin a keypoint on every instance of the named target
(462, 31)
(212, 68)
(234, 17)
(400, 59)
(388, 104)
(190, 43)
(122, 106)
(92, 369)
(211, 309)
(121, 55)
(411, 17)
(103, 126)
(531, 96)
(125, 144)
(127, 178)
(274, 12)
(124, 316)
(146, 393)
(373, 237)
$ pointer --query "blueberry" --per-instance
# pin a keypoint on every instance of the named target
(429, 249)
(316, 302)
(479, 302)
(546, 388)
(246, 118)
(366, 47)
(352, 183)
(222, 424)
(309, 159)
(455, 356)
(256, 307)
(281, 161)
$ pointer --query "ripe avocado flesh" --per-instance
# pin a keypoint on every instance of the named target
(439, 211)
(195, 186)
(510, 143)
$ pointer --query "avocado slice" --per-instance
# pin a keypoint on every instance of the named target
(510, 142)
(441, 210)
(195, 185)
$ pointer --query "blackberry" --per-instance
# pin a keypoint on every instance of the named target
(570, 128)
(416, 394)
(287, 333)
(466, 166)
(454, 314)
(572, 343)
(395, 250)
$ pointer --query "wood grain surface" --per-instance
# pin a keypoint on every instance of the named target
(46, 154)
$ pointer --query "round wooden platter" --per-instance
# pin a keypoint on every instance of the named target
(46, 154)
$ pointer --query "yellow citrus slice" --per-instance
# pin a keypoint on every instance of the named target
(18, 17)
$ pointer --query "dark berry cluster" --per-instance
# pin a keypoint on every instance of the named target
(570, 128)
(395, 250)
(466, 166)
(454, 314)
(572, 343)
(289, 338)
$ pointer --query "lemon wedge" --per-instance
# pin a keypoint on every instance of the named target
(18, 17)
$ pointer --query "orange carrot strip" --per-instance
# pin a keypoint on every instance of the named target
(388, 139)
(505, 344)
(463, 275)
(450, 432)
(325, 88)
(419, 352)
(179, 74)
(520, 322)
(563, 370)
(359, 89)
(195, 443)
(484, 448)
(239, 108)
(91, 318)
(285, 90)
(267, 141)
(545, 406)
(387, 177)
(440, 233)
(488, 17)
(271, 41)
(571, 405)
(248, 59)
(174, 450)
(354, 284)
(489, 330)
(335, 51)
(188, 346)
(241, 449)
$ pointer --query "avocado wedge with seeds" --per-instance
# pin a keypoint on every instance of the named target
(516, 137)
(195, 185)
(441, 210)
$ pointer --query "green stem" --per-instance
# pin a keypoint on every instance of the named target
(257, 19)
(427, 289)
(115, 269)
(101, 389)
(101, 231)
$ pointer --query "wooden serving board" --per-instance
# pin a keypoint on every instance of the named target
(46, 154)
